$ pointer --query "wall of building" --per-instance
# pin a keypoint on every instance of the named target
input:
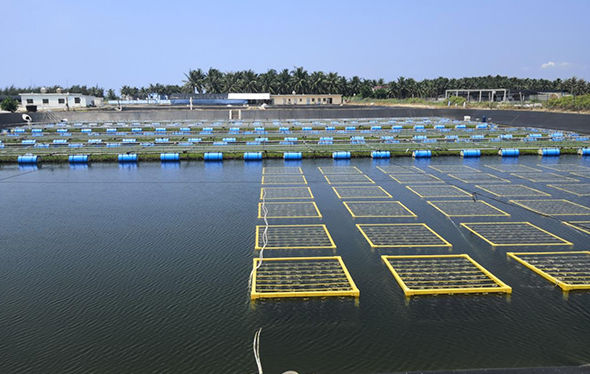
(306, 99)
(53, 101)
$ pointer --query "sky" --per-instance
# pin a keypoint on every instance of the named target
(137, 42)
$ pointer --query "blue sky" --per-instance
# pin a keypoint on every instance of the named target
(113, 43)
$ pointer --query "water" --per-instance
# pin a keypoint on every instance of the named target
(124, 269)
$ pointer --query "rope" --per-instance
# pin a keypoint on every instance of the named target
(264, 210)
(256, 349)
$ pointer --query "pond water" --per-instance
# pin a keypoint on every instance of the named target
(144, 269)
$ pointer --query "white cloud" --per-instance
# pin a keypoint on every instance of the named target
(556, 65)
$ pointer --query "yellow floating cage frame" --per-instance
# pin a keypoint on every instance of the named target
(539, 193)
(560, 187)
(353, 292)
(582, 229)
(466, 194)
(401, 170)
(522, 203)
(467, 226)
(399, 203)
(354, 172)
(430, 179)
(269, 168)
(560, 178)
(496, 179)
(502, 287)
(563, 285)
(446, 244)
(528, 168)
(438, 168)
(285, 188)
(366, 181)
(303, 181)
(388, 195)
(501, 213)
(332, 245)
(553, 168)
(311, 203)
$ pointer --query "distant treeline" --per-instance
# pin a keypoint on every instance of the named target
(300, 80)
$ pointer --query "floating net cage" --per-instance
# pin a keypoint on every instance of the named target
(363, 192)
(281, 193)
(512, 168)
(339, 170)
(583, 226)
(375, 209)
(444, 274)
(467, 208)
(348, 179)
(568, 270)
(478, 178)
(544, 177)
(283, 179)
(454, 169)
(438, 191)
(415, 178)
(512, 190)
(307, 209)
(566, 167)
(581, 174)
(499, 234)
(553, 207)
(581, 189)
(397, 235)
(398, 169)
(281, 170)
(302, 277)
(295, 237)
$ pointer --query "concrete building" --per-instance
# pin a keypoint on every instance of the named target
(306, 99)
(56, 101)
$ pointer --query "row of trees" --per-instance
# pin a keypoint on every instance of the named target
(300, 80)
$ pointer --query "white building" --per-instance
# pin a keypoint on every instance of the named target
(55, 101)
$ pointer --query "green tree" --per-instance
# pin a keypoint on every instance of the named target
(196, 80)
(9, 104)
(111, 95)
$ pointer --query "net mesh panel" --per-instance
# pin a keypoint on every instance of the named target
(281, 170)
(348, 179)
(283, 179)
(454, 169)
(514, 234)
(554, 207)
(513, 190)
(581, 174)
(401, 235)
(513, 168)
(290, 210)
(569, 270)
(581, 189)
(544, 177)
(361, 192)
(302, 277)
(567, 167)
(449, 274)
(339, 170)
(415, 178)
(397, 169)
(478, 178)
(295, 237)
(278, 193)
(467, 208)
(583, 226)
(378, 209)
(438, 191)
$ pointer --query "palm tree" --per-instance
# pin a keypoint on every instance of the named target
(214, 81)
(331, 83)
(284, 82)
(268, 81)
(300, 80)
(232, 82)
(196, 80)
(249, 81)
(354, 85)
(316, 82)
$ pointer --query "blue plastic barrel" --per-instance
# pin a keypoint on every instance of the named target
(37, 130)
(213, 156)
(584, 151)
(127, 157)
(330, 128)
(283, 129)
(169, 157)
(549, 152)
(28, 159)
(78, 159)
(86, 130)
(381, 154)
(292, 156)
(396, 127)
(252, 156)
(111, 130)
(185, 129)
(418, 127)
(375, 128)
(460, 126)
(340, 155)
(306, 128)
(471, 153)
(421, 153)
(129, 140)
(160, 129)
(481, 126)
(290, 139)
(28, 142)
(439, 127)
(509, 152)
(137, 129)
(350, 128)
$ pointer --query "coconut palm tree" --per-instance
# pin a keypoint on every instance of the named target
(213, 81)
(331, 83)
(284, 85)
(316, 83)
(196, 80)
(268, 81)
(300, 80)
(232, 82)
(249, 81)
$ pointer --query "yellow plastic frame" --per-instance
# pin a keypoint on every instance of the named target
(350, 210)
(388, 195)
(334, 182)
(285, 188)
(522, 203)
(312, 203)
(501, 213)
(466, 194)
(373, 245)
(539, 193)
(303, 180)
(467, 226)
(329, 237)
